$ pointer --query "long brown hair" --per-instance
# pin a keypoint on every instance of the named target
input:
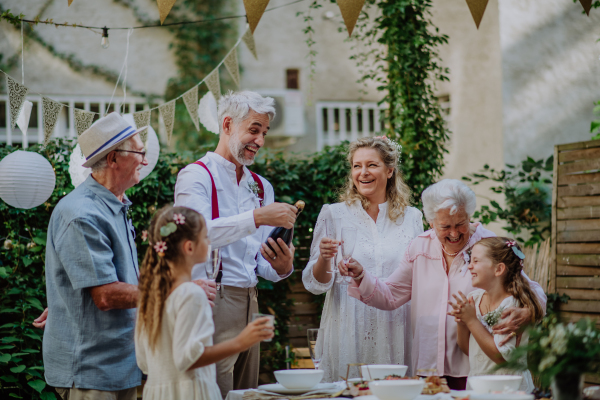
(397, 193)
(155, 275)
(499, 251)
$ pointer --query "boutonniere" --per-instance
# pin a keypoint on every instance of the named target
(493, 317)
(255, 189)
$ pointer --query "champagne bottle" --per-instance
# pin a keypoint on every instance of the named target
(285, 234)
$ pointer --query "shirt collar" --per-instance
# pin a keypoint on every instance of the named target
(106, 195)
(219, 159)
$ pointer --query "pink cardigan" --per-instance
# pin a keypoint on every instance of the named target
(421, 277)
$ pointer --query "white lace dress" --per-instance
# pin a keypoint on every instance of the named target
(355, 332)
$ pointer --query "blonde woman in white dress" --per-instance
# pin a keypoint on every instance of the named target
(173, 337)
(375, 202)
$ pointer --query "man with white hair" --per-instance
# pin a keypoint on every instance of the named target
(240, 210)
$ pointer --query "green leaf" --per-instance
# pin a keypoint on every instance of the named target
(10, 339)
(18, 369)
(3, 273)
(9, 325)
(33, 336)
(5, 347)
(36, 303)
(14, 395)
(30, 351)
(47, 396)
(9, 378)
(27, 261)
(37, 249)
(38, 385)
(5, 358)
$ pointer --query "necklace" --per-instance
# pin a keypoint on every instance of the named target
(454, 254)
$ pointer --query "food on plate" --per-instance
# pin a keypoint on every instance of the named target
(433, 384)
(359, 388)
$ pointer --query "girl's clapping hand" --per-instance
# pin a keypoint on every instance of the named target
(256, 331)
(464, 308)
(328, 248)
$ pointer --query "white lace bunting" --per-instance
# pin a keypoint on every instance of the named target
(142, 118)
(167, 112)
(16, 96)
(248, 39)
(190, 99)
(50, 109)
(83, 120)
(214, 84)
(231, 63)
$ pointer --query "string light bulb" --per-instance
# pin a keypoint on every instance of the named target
(104, 43)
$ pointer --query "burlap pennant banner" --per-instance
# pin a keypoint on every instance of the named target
(254, 11)
(231, 63)
(167, 112)
(50, 110)
(70, 1)
(16, 96)
(142, 118)
(587, 6)
(214, 84)
(477, 8)
(190, 99)
(83, 120)
(248, 39)
(350, 11)
(164, 8)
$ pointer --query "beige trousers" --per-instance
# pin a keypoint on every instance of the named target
(232, 312)
(91, 394)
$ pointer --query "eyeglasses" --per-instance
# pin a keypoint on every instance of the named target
(143, 153)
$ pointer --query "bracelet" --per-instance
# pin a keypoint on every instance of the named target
(362, 274)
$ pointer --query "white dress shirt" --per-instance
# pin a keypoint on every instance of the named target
(234, 231)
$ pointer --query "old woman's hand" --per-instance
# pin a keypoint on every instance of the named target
(513, 320)
(464, 308)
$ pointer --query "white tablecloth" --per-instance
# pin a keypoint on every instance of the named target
(238, 395)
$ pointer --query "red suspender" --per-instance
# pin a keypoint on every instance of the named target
(213, 197)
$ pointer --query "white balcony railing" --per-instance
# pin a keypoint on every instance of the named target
(344, 120)
(65, 125)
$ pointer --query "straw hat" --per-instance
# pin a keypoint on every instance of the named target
(103, 136)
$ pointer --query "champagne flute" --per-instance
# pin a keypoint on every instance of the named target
(330, 234)
(315, 345)
(212, 263)
(348, 243)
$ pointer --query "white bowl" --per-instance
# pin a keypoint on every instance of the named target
(495, 383)
(380, 371)
(501, 396)
(299, 378)
(405, 389)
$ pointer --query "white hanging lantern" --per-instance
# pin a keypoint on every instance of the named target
(27, 179)
(152, 148)
(76, 169)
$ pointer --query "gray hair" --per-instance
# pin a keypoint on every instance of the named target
(101, 164)
(448, 194)
(237, 105)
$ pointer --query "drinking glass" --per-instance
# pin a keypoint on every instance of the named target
(213, 261)
(315, 345)
(348, 243)
(331, 234)
(271, 322)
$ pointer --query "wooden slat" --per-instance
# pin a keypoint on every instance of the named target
(569, 270)
(303, 363)
(579, 155)
(578, 213)
(586, 306)
(301, 352)
(298, 331)
(304, 308)
(579, 259)
(569, 201)
(301, 297)
(578, 248)
(579, 178)
(581, 294)
(582, 236)
(590, 378)
(578, 283)
(579, 166)
(568, 316)
(578, 225)
(576, 146)
(553, 236)
(589, 189)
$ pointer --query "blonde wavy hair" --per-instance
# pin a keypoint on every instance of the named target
(398, 194)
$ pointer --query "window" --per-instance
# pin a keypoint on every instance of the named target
(292, 78)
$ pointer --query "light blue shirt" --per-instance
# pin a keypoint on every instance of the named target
(90, 243)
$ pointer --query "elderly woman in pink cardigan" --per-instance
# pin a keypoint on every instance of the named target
(433, 268)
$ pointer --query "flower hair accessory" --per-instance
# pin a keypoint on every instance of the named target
(160, 248)
(392, 143)
(513, 245)
(172, 226)
(179, 219)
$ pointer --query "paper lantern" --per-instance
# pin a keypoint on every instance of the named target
(27, 179)
(76, 169)
(152, 148)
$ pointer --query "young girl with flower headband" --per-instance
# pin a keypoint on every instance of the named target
(496, 265)
(173, 338)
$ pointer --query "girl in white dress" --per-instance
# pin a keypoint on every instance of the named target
(375, 201)
(496, 265)
(173, 338)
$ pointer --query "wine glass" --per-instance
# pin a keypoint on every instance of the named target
(315, 345)
(331, 234)
(348, 243)
(213, 261)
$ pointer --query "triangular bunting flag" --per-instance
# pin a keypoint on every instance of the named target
(231, 63)
(190, 99)
(164, 7)
(50, 110)
(350, 11)
(70, 1)
(477, 8)
(248, 38)
(16, 96)
(167, 112)
(213, 83)
(587, 6)
(23, 120)
(254, 11)
(83, 120)
(142, 118)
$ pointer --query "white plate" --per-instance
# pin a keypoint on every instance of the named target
(460, 393)
(280, 389)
